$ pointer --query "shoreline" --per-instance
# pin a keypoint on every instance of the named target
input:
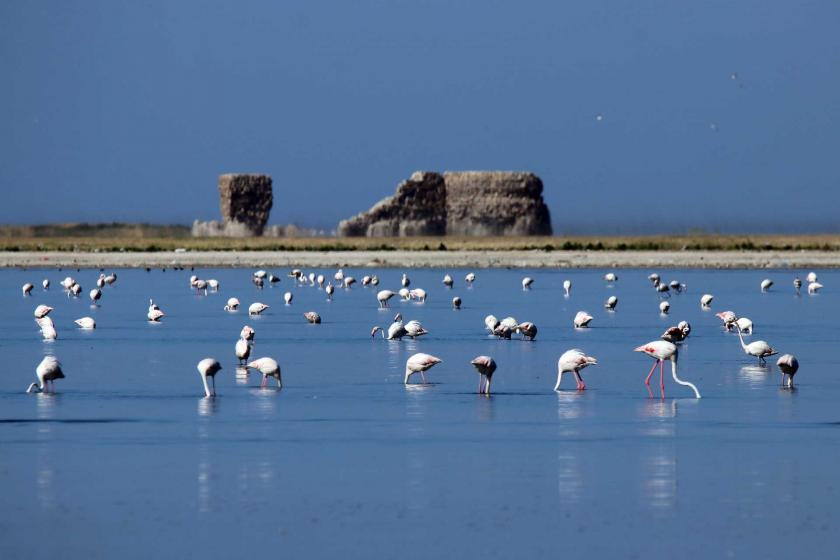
(425, 259)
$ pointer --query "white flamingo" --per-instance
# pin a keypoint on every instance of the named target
(242, 350)
(47, 372)
(664, 307)
(789, 365)
(611, 277)
(232, 304)
(448, 281)
(706, 300)
(419, 294)
(611, 303)
(812, 277)
(765, 284)
(567, 287)
(312, 317)
(46, 283)
(154, 314)
(485, 366)
(470, 278)
(209, 367)
(42, 311)
(419, 363)
(582, 319)
(573, 361)
(383, 296)
(268, 367)
(814, 287)
(256, 308)
(287, 297)
(95, 294)
(797, 284)
(528, 330)
(759, 348)
(86, 323)
(329, 290)
(661, 350)
(111, 278)
(406, 281)
(47, 328)
(456, 302)
(526, 282)
(247, 333)
(27, 289)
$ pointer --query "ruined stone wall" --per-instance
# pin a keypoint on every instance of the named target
(245, 199)
(457, 203)
(495, 203)
(417, 208)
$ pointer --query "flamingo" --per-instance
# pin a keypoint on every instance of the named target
(789, 365)
(728, 318)
(485, 365)
(797, 284)
(209, 367)
(526, 282)
(47, 328)
(329, 290)
(339, 276)
(582, 320)
(213, 284)
(490, 322)
(312, 317)
(287, 297)
(111, 278)
(232, 304)
(456, 302)
(573, 361)
(258, 282)
(27, 289)
(509, 322)
(503, 331)
(260, 274)
(654, 278)
(470, 278)
(320, 280)
(744, 324)
(419, 294)
(95, 294)
(567, 287)
(414, 329)
(348, 282)
(242, 350)
(662, 289)
(765, 284)
(677, 286)
(154, 314)
(46, 283)
(759, 348)
(312, 278)
(611, 277)
(272, 279)
(68, 282)
(664, 307)
(256, 308)
(527, 329)
(706, 300)
(383, 296)
(75, 289)
(677, 334)
(814, 287)
(200, 286)
(374, 281)
(406, 281)
(268, 367)
(662, 350)
(247, 333)
(812, 277)
(448, 281)
(419, 363)
(405, 294)
(86, 323)
(396, 330)
(611, 303)
(100, 282)
(42, 311)
(366, 280)
(47, 372)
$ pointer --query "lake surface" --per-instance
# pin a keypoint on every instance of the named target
(128, 459)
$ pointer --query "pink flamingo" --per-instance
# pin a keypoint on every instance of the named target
(662, 350)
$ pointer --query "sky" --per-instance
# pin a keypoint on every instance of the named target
(640, 117)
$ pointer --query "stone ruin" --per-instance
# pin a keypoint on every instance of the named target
(469, 203)
(245, 201)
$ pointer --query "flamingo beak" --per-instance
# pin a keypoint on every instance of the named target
(639, 349)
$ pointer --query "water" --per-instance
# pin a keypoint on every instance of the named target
(128, 459)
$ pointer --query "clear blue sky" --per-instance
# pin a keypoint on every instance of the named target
(128, 111)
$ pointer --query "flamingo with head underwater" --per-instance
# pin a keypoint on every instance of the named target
(661, 350)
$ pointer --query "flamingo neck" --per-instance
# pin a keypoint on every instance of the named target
(741, 338)
(680, 381)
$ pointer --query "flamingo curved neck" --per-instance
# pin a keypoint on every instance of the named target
(741, 338)
(34, 388)
(680, 381)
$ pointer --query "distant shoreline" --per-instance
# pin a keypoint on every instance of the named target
(424, 259)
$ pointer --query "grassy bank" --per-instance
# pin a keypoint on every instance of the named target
(137, 241)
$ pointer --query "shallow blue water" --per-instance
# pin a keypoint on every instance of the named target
(128, 459)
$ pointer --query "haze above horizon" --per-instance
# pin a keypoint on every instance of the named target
(639, 117)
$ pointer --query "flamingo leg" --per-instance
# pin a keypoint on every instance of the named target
(580, 384)
(650, 374)
(423, 377)
(662, 378)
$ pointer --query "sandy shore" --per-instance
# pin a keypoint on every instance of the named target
(427, 259)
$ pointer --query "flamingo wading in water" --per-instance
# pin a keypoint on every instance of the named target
(662, 350)
(573, 361)
(419, 363)
(485, 365)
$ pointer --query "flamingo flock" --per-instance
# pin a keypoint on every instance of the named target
(572, 361)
